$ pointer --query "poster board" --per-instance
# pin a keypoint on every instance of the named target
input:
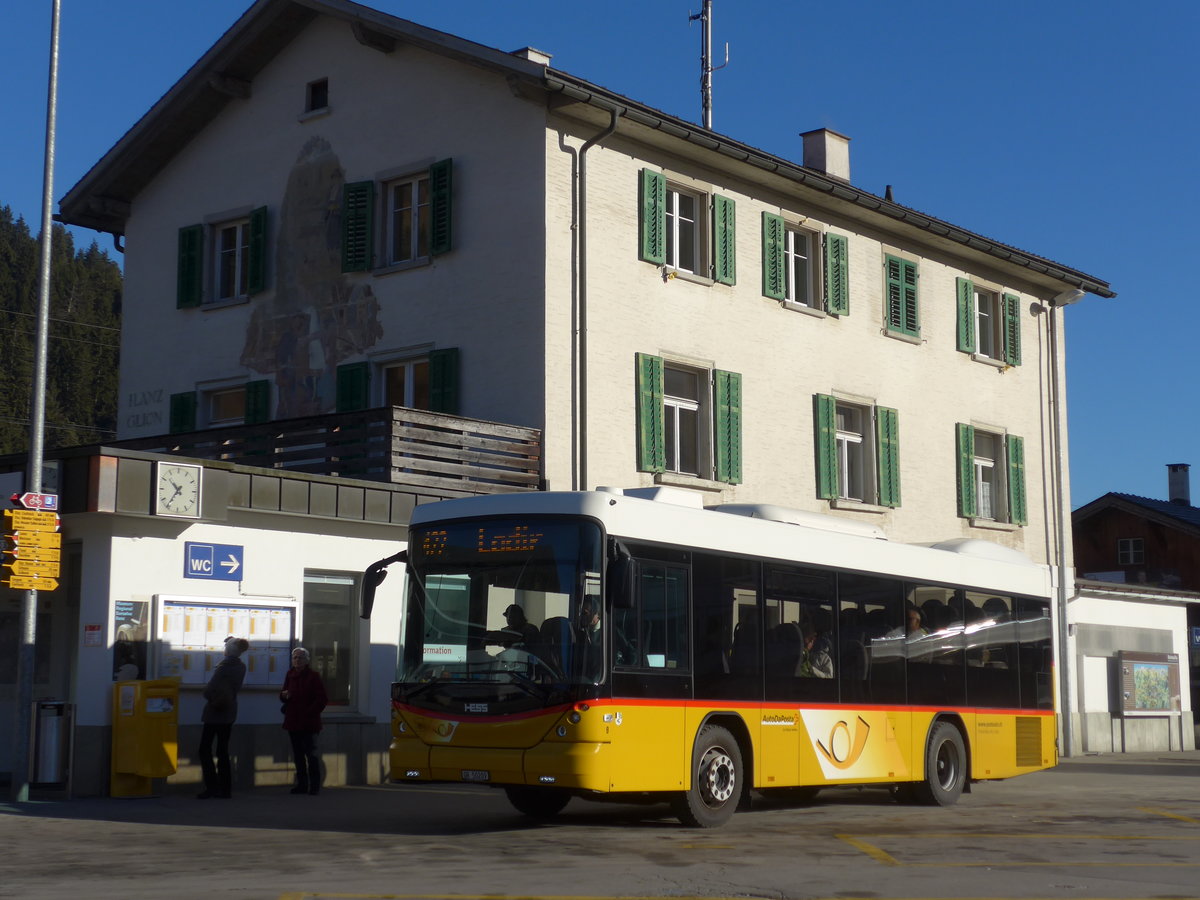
(1148, 683)
(190, 635)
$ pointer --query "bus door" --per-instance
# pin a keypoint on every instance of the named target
(650, 675)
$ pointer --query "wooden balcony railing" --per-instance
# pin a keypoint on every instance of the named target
(446, 455)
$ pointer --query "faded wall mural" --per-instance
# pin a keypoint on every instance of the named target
(318, 317)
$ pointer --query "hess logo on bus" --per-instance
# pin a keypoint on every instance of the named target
(843, 749)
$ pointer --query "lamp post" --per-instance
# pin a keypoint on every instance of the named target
(26, 658)
(1058, 427)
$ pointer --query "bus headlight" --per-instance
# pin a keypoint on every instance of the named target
(562, 731)
(574, 718)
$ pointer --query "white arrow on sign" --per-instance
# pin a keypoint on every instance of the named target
(231, 564)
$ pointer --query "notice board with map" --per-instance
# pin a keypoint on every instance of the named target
(1149, 683)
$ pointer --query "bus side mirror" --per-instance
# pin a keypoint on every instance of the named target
(372, 578)
(622, 582)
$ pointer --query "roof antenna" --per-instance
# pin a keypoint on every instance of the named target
(706, 66)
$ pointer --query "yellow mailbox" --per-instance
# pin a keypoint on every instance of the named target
(145, 734)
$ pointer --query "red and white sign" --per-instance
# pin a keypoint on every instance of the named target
(30, 500)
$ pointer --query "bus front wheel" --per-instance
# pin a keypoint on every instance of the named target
(716, 780)
(537, 803)
(945, 767)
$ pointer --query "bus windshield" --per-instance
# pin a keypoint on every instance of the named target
(503, 612)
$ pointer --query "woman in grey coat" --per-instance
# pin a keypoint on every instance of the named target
(220, 712)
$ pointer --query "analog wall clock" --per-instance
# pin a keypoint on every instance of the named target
(177, 490)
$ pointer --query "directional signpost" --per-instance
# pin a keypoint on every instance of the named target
(36, 553)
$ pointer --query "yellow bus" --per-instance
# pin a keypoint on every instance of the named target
(633, 645)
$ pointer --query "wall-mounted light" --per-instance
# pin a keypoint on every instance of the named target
(1066, 298)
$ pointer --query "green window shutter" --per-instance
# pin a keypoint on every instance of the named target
(190, 271)
(887, 441)
(652, 448)
(902, 313)
(724, 240)
(774, 240)
(652, 217)
(1018, 512)
(353, 386)
(825, 434)
(258, 402)
(443, 381)
(358, 233)
(966, 470)
(440, 196)
(1012, 329)
(966, 315)
(837, 275)
(183, 412)
(257, 267)
(727, 425)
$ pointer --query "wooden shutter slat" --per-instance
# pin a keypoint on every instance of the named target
(727, 410)
(358, 208)
(887, 438)
(443, 381)
(837, 275)
(652, 449)
(966, 315)
(965, 440)
(1012, 329)
(652, 222)
(724, 240)
(1017, 506)
(190, 267)
(257, 263)
(774, 234)
(441, 192)
(825, 437)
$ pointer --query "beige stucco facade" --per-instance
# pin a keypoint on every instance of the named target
(531, 265)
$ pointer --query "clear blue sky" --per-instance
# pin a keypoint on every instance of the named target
(1068, 128)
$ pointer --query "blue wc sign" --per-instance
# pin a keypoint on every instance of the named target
(216, 562)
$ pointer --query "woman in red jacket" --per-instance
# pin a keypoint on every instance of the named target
(303, 697)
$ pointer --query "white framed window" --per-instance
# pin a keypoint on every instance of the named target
(685, 393)
(854, 452)
(225, 406)
(1131, 551)
(802, 268)
(406, 383)
(406, 219)
(231, 260)
(858, 451)
(990, 490)
(684, 225)
(989, 320)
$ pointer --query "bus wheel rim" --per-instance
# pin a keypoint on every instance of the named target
(947, 765)
(718, 780)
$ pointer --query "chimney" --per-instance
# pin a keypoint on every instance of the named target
(1177, 483)
(534, 55)
(827, 151)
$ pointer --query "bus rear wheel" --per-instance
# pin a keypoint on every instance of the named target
(945, 767)
(716, 780)
(537, 803)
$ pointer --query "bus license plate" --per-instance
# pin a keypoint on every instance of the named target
(476, 775)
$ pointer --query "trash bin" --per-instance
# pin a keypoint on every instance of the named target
(50, 761)
(145, 734)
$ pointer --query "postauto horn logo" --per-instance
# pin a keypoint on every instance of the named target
(841, 749)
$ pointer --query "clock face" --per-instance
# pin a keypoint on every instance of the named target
(178, 490)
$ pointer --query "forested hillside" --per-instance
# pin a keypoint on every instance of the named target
(84, 338)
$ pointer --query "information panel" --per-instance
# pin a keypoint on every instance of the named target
(191, 633)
